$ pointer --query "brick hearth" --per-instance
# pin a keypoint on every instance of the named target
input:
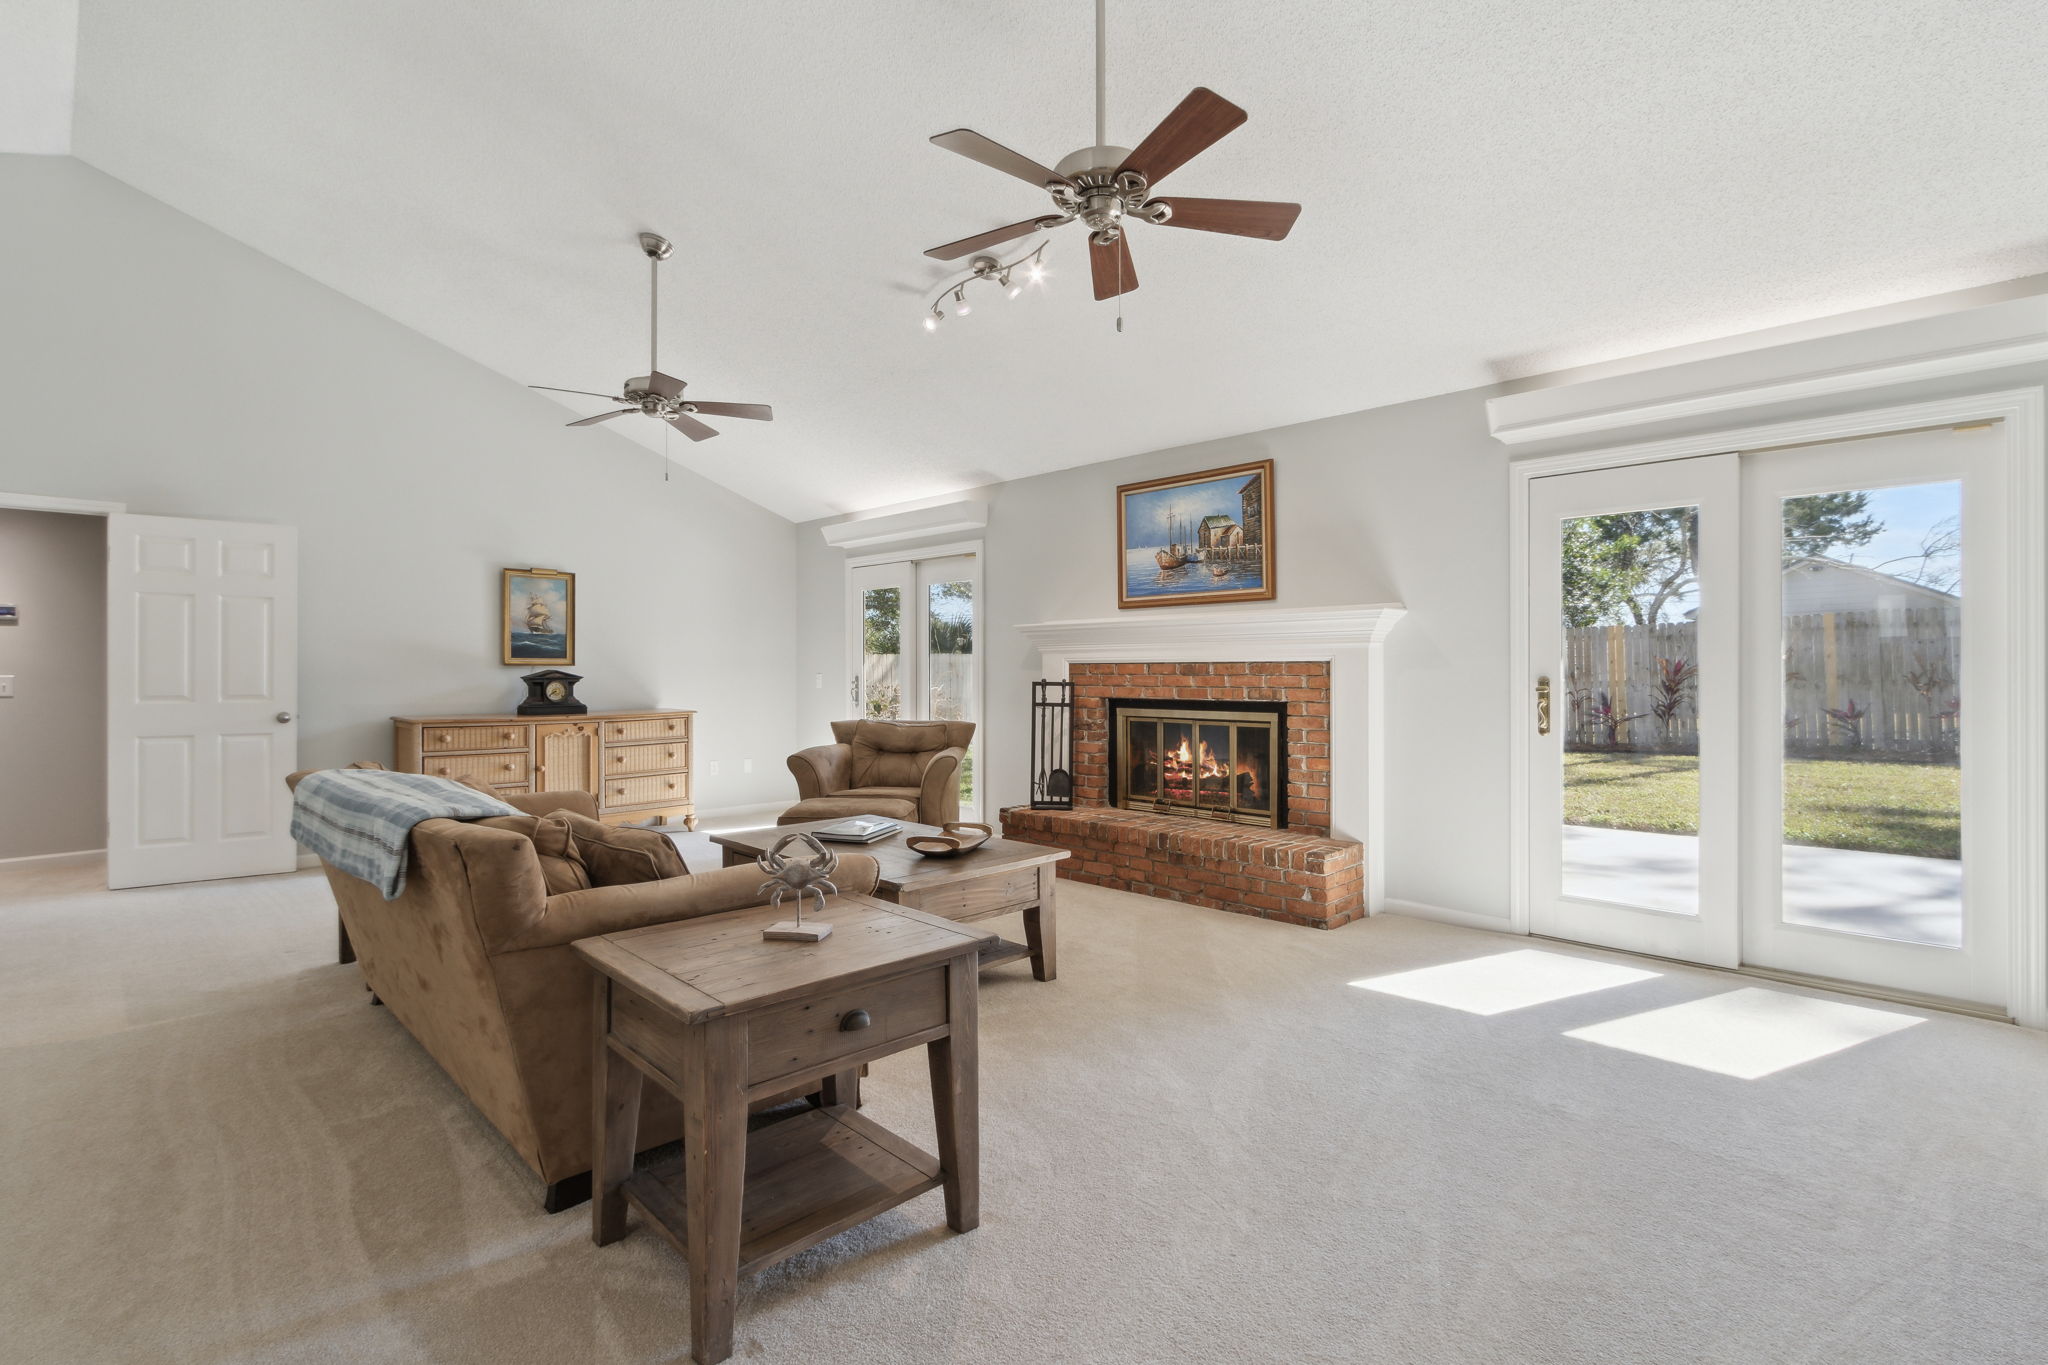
(1298, 874)
(1289, 875)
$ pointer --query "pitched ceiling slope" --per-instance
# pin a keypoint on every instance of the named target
(1492, 189)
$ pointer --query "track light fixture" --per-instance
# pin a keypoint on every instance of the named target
(995, 272)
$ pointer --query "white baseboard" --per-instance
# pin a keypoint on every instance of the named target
(742, 817)
(308, 860)
(52, 857)
(1443, 915)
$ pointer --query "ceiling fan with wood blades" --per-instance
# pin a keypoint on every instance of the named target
(1107, 187)
(659, 395)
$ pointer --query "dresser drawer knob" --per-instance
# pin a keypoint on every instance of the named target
(855, 1020)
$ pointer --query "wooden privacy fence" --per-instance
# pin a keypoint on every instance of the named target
(951, 682)
(1878, 681)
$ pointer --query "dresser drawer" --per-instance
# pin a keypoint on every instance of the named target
(499, 770)
(625, 759)
(450, 739)
(659, 727)
(806, 1037)
(664, 789)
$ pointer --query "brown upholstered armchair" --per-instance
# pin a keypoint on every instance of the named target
(473, 958)
(905, 769)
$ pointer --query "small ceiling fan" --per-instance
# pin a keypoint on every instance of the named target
(1107, 187)
(655, 394)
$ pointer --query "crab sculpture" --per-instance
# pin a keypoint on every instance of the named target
(805, 876)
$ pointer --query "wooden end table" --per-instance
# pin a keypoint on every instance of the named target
(718, 1016)
(1001, 877)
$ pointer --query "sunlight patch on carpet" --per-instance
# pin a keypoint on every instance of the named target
(1747, 1033)
(1505, 981)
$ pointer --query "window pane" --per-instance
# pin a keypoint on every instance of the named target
(882, 653)
(950, 608)
(1630, 708)
(1872, 594)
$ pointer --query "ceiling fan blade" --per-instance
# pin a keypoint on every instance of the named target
(996, 156)
(1196, 124)
(1111, 266)
(691, 427)
(667, 385)
(759, 412)
(968, 245)
(1239, 217)
(585, 392)
(602, 417)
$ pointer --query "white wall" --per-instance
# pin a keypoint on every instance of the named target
(53, 731)
(1405, 503)
(147, 359)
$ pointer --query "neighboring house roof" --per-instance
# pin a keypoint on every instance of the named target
(1817, 583)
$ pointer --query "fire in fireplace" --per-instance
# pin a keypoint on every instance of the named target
(1216, 760)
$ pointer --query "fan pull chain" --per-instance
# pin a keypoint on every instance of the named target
(1122, 252)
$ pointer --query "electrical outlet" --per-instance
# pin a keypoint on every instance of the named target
(711, 768)
(746, 765)
(6, 685)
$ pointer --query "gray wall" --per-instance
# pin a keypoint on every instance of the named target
(53, 733)
(147, 359)
(1405, 503)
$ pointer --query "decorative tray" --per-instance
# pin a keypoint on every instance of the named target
(959, 836)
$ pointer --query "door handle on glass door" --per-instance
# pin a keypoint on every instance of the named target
(1543, 706)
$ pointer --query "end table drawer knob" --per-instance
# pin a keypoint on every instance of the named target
(855, 1019)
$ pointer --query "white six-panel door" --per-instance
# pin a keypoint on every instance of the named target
(202, 655)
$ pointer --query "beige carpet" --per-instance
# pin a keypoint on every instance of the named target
(1202, 1144)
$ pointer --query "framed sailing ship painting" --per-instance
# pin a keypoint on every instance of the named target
(539, 616)
(1192, 538)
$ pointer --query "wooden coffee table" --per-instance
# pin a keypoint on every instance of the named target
(718, 1016)
(1001, 877)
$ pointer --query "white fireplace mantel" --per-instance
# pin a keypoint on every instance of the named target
(1212, 634)
(1348, 637)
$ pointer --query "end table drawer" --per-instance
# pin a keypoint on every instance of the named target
(448, 739)
(498, 770)
(810, 1035)
(643, 791)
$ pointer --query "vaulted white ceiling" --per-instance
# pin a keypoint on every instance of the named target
(1493, 188)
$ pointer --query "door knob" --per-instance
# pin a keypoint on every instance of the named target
(1543, 706)
(284, 718)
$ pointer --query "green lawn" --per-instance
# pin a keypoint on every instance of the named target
(1911, 808)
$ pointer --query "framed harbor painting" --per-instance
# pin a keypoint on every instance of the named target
(539, 616)
(1194, 538)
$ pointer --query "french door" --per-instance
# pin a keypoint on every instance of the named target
(910, 643)
(1758, 668)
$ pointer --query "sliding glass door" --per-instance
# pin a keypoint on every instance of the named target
(1750, 675)
(911, 642)
(1874, 629)
(1633, 591)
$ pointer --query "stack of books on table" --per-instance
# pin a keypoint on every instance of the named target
(861, 829)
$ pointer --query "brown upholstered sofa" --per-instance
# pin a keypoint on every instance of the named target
(905, 769)
(473, 958)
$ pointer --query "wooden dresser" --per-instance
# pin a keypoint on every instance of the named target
(636, 763)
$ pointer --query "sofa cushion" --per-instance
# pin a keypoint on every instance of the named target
(620, 857)
(561, 860)
(842, 806)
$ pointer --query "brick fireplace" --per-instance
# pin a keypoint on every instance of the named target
(1316, 670)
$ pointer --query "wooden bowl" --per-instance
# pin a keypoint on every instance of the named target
(960, 836)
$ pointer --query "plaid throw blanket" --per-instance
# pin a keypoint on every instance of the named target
(360, 820)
